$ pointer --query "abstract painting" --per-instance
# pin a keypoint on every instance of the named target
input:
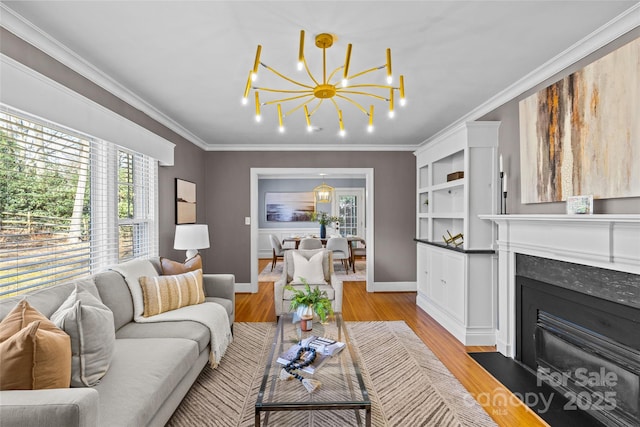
(289, 207)
(185, 202)
(581, 135)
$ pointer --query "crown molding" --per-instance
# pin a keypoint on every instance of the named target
(315, 147)
(618, 26)
(21, 27)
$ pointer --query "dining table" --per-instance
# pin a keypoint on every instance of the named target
(351, 239)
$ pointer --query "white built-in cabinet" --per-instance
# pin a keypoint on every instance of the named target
(457, 285)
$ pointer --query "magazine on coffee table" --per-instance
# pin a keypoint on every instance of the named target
(325, 348)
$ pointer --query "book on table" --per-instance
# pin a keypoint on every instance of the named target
(325, 348)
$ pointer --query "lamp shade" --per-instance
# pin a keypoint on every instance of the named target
(191, 236)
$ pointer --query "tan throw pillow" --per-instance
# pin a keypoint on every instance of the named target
(170, 267)
(89, 323)
(34, 353)
(165, 293)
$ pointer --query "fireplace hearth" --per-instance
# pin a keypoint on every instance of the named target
(578, 330)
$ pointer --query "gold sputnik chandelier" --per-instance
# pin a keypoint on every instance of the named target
(325, 89)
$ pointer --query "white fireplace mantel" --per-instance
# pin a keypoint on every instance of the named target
(605, 241)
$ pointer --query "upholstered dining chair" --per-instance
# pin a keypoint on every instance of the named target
(340, 248)
(278, 250)
(300, 261)
(310, 243)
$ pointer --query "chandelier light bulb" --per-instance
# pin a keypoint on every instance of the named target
(389, 80)
(370, 129)
(281, 129)
(258, 118)
(309, 129)
(254, 77)
(403, 102)
(343, 133)
(345, 82)
(392, 114)
(245, 101)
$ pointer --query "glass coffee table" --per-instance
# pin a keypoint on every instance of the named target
(341, 397)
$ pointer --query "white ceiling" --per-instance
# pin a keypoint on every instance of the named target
(186, 62)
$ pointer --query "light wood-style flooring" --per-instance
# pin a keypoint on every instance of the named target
(359, 305)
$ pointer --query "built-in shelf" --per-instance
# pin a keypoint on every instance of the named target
(457, 249)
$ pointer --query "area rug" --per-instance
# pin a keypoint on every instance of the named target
(407, 384)
(266, 275)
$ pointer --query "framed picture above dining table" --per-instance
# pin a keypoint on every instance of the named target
(289, 206)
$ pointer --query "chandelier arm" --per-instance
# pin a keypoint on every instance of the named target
(306, 66)
(360, 107)
(365, 72)
(333, 73)
(299, 106)
(387, 87)
(275, 101)
(316, 108)
(285, 77)
(355, 92)
(267, 89)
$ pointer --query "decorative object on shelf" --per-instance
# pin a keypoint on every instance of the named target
(456, 240)
(191, 237)
(580, 205)
(504, 193)
(455, 175)
(324, 89)
(316, 299)
(502, 205)
(323, 192)
(185, 202)
(324, 219)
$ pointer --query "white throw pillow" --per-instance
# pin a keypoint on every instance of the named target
(90, 325)
(309, 269)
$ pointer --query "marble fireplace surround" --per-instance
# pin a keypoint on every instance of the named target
(606, 241)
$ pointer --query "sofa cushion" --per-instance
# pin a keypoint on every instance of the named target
(310, 269)
(45, 300)
(166, 293)
(89, 323)
(115, 294)
(170, 268)
(132, 271)
(34, 353)
(194, 331)
(143, 374)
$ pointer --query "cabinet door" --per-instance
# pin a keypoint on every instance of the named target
(455, 279)
(437, 281)
(423, 269)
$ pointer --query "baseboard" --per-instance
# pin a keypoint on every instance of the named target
(243, 288)
(394, 286)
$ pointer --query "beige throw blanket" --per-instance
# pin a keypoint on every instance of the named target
(210, 314)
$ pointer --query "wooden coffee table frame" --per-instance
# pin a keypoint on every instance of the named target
(356, 405)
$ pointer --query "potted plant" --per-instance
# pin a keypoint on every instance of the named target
(309, 301)
(323, 218)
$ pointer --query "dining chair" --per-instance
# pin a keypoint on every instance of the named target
(310, 243)
(278, 250)
(339, 246)
(332, 284)
(358, 252)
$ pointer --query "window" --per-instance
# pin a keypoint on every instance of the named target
(70, 205)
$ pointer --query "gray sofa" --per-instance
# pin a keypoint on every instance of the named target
(153, 365)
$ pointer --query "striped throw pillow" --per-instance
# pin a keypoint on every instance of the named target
(166, 293)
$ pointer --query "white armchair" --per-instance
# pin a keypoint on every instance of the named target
(333, 285)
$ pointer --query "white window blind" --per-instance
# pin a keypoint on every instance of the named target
(61, 200)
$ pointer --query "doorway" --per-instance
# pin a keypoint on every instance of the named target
(258, 173)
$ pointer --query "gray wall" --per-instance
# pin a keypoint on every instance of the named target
(227, 178)
(510, 145)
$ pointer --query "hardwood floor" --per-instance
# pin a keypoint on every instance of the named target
(359, 305)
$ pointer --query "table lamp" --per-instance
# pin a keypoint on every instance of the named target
(191, 237)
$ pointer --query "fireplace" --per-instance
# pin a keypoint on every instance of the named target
(578, 330)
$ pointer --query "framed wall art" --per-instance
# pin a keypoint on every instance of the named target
(581, 135)
(289, 207)
(185, 202)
